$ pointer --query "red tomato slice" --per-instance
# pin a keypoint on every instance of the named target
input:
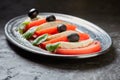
(35, 23)
(94, 47)
(53, 30)
(83, 36)
(63, 38)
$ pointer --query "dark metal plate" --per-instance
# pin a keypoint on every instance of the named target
(95, 32)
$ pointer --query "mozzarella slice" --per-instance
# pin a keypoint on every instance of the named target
(51, 24)
(73, 45)
(61, 34)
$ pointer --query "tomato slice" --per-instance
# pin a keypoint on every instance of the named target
(62, 38)
(94, 47)
(83, 36)
(53, 30)
(35, 23)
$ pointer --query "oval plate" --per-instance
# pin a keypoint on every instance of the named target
(95, 32)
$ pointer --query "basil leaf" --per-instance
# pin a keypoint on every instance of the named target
(52, 47)
(29, 33)
(22, 26)
(40, 39)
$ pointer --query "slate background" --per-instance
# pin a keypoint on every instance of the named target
(17, 64)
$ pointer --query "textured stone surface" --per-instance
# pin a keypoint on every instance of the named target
(17, 64)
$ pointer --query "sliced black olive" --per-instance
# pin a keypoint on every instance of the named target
(33, 13)
(74, 37)
(50, 18)
(61, 27)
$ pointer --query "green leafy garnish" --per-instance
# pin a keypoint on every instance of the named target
(29, 33)
(22, 26)
(52, 47)
(40, 39)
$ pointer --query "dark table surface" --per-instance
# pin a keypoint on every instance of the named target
(17, 64)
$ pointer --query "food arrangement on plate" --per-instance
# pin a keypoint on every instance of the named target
(57, 36)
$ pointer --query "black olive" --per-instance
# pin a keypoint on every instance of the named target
(33, 13)
(74, 37)
(50, 18)
(61, 27)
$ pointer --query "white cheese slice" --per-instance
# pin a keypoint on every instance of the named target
(73, 45)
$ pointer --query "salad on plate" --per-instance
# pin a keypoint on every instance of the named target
(57, 36)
